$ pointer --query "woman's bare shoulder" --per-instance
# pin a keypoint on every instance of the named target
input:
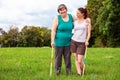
(88, 19)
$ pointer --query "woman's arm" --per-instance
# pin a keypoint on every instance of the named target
(53, 31)
(74, 18)
(88, 31)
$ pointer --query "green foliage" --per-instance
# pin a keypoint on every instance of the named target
(109, 22)
(98, 42)
(32, 36)
(46, 37)
(93, 6)
(105, 20)
(29, 36)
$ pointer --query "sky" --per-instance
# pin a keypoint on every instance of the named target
(33, 12)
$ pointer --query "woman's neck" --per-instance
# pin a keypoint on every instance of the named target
(80, 20)
(65, 18)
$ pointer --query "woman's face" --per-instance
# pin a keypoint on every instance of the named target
(63, 12)
(79, 14)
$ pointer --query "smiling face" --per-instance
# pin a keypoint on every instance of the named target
(63, 11)
(82, 13)
(79, 14)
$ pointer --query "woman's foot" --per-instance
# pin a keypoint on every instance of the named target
(79, 73)
(57, 72)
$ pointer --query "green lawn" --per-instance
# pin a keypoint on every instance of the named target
(34, 64)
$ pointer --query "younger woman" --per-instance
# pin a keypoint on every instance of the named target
(80, 38)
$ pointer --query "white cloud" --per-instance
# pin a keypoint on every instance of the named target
(33, 12)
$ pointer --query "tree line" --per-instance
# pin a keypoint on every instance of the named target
(29, 36)
(105, 18)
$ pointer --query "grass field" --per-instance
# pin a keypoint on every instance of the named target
(34, 64)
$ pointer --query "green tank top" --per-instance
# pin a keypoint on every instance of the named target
(64, 31)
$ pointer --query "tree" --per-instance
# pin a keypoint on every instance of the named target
(32, 36)
(109, 22)
(46, 37)
(29, 36)
(12, 36)
(93, 6)
(2, 32)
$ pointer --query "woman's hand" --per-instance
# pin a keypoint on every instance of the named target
(86, 43)
(52, 44)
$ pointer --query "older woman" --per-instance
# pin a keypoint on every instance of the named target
(60, 38)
